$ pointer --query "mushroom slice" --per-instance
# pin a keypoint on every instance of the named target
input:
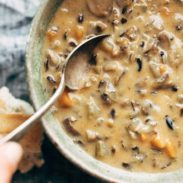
(132, 33)
(68, 124)
(158, 70)
(100, 8)
(181, 1)
(180, 98)
(93, 109)
(9, 122)
(137, 126)
(165, 39)
(156, 22)
(92, 136)
(54, 57)
(101, 149)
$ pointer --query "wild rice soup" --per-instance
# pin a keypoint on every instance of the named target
(129, 112)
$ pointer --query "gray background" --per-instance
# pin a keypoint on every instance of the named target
(15, 20)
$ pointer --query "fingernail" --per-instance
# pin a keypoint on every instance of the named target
(13, 153)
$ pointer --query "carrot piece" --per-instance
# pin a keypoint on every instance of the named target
(157, 142)
(65, 100)
(79, 32)
(143, 137)
(51, 34)
(170, 149)
(163, 69)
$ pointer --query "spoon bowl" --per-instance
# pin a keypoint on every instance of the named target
(77, 63)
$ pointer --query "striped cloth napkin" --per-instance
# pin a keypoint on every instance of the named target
(16, 17)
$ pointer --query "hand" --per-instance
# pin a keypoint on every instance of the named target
(10, 156)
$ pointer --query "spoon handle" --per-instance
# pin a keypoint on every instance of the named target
(16, 134)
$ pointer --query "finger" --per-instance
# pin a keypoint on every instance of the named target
(10, 156)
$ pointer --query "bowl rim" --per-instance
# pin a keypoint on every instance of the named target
(152, 177)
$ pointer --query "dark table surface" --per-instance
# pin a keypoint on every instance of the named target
(55, 170)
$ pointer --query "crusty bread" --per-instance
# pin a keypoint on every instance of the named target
(13, 112)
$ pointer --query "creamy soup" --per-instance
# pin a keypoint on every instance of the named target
(129, 112)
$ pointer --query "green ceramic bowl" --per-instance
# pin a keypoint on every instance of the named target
(52, 127)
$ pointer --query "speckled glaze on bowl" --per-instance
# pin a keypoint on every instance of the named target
(52, 127)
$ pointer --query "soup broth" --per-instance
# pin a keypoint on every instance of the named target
(129, 112)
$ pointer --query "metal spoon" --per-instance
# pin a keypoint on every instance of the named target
(70, 78)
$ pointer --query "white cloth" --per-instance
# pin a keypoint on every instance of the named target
(15, 19)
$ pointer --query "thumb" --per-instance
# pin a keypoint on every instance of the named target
(10, 155)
